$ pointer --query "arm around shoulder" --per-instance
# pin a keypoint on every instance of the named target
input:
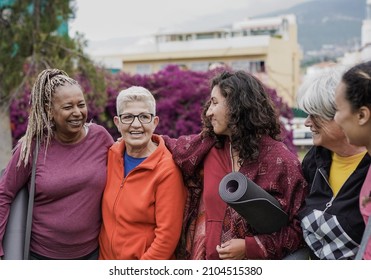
(291, 190)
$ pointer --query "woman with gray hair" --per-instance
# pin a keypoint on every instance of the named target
(144, 198)
(335, 170)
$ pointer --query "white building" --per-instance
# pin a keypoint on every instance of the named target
(364, 53)
(267, 47)
(366, 34)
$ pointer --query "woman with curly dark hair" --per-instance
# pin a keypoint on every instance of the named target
(250, 113)
(240, 134)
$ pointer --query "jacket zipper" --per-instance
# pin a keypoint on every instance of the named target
(114, 210)
(114, 205)
(328, 204)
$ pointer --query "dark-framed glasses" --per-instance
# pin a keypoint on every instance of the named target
(144, 118)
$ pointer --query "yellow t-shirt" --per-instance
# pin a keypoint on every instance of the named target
(341, 169)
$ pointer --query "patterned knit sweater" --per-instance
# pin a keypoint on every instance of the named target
(276, 170)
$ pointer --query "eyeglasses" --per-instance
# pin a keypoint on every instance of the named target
(144, 118)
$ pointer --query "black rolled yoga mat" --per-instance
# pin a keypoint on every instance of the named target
(260, 209)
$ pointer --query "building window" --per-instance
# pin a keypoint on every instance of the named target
(205, 36)
(144, 69)
(257, 66)
(199, 66)
(241, 65)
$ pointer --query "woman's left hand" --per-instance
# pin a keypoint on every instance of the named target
(233, 249)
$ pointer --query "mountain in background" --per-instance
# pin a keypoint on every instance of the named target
(321, 24)
(328, 22)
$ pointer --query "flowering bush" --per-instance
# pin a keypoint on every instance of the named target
(18, 114)
(180, 95)
(19, 107)
(179, 98)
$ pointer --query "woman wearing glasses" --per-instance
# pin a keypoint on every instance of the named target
(335, 170)
(144, 197)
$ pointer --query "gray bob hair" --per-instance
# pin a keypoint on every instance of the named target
(316, 95)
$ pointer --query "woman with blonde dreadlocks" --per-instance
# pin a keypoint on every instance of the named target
(70, 171)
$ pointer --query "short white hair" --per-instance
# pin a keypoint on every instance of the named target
(133, 94)
(316, 95)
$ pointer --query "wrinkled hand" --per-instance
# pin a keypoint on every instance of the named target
(232, 250)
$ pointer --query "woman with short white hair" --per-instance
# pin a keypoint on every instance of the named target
(335, 170)
(144, 198)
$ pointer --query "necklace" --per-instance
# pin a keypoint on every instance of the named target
(234, 159)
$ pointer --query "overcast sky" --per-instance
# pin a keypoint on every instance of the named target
(102, 20)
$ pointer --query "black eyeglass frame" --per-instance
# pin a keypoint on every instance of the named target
(136, 116)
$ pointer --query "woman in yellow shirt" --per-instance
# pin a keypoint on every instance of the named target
(335, 170)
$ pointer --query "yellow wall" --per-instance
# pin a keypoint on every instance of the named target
(281, 57)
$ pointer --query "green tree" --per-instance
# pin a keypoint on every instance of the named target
(33, 37)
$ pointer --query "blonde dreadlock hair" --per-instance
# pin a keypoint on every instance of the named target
(40, 125)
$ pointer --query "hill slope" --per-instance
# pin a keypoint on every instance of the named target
(336, 22)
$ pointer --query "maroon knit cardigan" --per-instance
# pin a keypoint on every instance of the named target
(277, 170)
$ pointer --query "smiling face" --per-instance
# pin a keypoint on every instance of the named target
(353, 122)
(69, 112)
(325, 133)
(137, 136)
(218, 112)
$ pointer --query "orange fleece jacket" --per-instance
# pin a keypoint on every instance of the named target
(143, 212)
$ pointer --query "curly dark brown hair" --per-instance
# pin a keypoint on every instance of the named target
(251, 113)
